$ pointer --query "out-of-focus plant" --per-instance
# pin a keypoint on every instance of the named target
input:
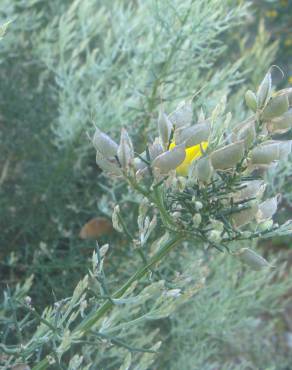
(144, 57)
(199, 184)
(277, 16)
(233, 323)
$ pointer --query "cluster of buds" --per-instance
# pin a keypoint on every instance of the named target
(207, 183)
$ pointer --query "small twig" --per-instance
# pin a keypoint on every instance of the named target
(121, 343)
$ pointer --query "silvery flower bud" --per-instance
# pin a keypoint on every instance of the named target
(164, 128)
(285, 148)
(214, 236)
(109, 165)
(246, 133)
(246, 234)
(228, 156)
(265, 153)
(104, 144)
(176, 215)
(103, 250)
(203, 169)
(139, 164)
(251, 100)
(28, 300)
(198, 206)
(289, 94)
(281, 124)
(252, 259)
(143, 209)
(170, 159)
(183, 115)
(217, 225)
(264, 90)
(286, 92)
(201, 116)
(181, 183)
(277, 106)
(155, 149)
(192, 135)
(125, 149)
(197, 219)
(267, 209)
(250, 189)
(244, 217)
(116, 219)
(143, 173)
(264, 226)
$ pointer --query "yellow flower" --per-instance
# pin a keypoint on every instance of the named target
(192, 153)
(290, 80)
(271, 13)
(288, 42)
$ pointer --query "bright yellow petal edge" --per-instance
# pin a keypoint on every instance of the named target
(192, 153)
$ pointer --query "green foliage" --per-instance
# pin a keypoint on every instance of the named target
(111, 70)
(232, 323)
(278, 20)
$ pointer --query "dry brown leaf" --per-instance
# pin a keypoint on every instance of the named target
(96, 228)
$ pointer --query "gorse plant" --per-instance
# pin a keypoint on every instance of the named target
(199, 185)
(115, 63)
(204, 178)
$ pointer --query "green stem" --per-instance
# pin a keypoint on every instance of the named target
(158, 200)
(85, 326)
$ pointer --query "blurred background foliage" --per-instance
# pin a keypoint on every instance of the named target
(67, 66)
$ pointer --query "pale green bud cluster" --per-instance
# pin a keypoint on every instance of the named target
(199, 177)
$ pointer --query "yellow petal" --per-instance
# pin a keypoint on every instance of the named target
(192, 153)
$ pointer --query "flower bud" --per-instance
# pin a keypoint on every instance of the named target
(183, 115)
(164, 128)
(197, 219)
(228, 156)
(203, 170)
(286, 92)
(193, 135)
(265, 153)
(125, 149)
(267, 209)
(289, 94)
(116, 219)
(250, 189)
(277, 106)
(198, 206)
(109, 165)
(214, 236)
(264, 90)
(155, 150)
(246, 133)
(104, 144)
(285, 149)
(251, 100)
(281, 124)
(217, 225)
(252, 259)
(201, 116)
(170, 159)
(244, 217)
(139, 164)
(142, 173)
(264, 226)
(181, 183)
